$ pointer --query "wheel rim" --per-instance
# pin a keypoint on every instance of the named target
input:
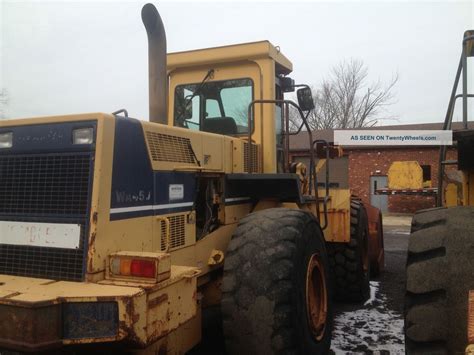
(316, 297)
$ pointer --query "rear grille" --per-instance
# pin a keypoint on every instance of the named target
(177, 232)
(164, 147)
(46, 184)
(254, 159)
(52, 188)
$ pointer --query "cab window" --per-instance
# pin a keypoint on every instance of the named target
(217, 107)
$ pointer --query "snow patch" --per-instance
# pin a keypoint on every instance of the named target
(373, 328)
(374, 287)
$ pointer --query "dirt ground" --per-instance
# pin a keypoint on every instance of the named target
(375, 327)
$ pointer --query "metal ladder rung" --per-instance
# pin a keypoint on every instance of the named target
(449, 162)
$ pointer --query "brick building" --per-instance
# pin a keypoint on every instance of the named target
(364, 168)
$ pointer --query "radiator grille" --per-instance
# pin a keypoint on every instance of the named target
(46, 184)
(52, 188)
(42, 262)
(177, 232)
(164, 147)
(255, 159)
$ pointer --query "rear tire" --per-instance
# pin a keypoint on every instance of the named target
(439, 275)
(266, 297)
(350, 261)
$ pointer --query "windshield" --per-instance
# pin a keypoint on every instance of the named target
(218, 107)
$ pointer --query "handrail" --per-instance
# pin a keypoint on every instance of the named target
(462, 70)
(250, 120)
(326, 197)
(286, 103)
(122, 110)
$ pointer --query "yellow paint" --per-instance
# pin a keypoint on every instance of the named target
(451, 195)
(339, 206)
(259, 61)
(319, 165)
(231, 53)
(235, 212)
(405, 175)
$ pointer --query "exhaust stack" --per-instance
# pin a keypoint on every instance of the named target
(157, 75)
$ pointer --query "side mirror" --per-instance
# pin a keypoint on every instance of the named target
(305, 99)
(287, 84)
(186, 108)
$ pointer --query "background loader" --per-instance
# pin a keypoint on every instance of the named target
(118, 232)
(439, 316)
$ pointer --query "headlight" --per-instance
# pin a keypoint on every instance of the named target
(6, 140)
(83, 136)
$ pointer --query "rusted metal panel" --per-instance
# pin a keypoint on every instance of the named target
(338, 219)
(338, 226)
(89, 320)
(66, 313)
(470, 318)
(30, 328)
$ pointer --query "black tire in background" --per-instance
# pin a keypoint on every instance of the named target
(350, 267)
(439, 275)
(265, 287)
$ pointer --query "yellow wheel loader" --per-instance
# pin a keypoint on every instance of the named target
(118, 233)
(439, 312)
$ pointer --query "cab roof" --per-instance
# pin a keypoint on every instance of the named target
(231, 53)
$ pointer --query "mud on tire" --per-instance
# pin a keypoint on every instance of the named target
(350, 268)
(439, 275)
(264, 289)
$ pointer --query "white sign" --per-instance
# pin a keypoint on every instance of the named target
(176, 192)
(53, 235)
(392, 137)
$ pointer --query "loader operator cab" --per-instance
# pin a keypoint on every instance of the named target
(216, 107)
(212, 90)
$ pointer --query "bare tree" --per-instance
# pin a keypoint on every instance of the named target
(3, 102)
(346, 100)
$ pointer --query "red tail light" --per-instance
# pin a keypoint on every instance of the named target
(147, 267)
(143, 268)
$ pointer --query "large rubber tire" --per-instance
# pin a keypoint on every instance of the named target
(349, 262)
(439, 274)
(264, 289)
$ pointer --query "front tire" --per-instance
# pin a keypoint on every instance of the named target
(275, 293)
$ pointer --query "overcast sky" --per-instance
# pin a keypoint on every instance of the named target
(72, 57)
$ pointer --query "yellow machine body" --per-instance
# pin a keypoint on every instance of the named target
(147, 188)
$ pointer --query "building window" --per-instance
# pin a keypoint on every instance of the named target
(426, 172)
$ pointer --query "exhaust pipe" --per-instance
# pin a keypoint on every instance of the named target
(157, 75)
